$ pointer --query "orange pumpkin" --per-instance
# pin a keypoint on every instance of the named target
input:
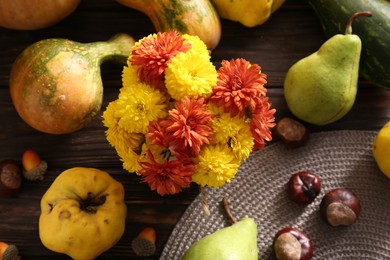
(34, 14)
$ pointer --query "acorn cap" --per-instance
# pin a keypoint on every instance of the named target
(33, 167)
(36, 173)
(144, 243)
(10, 253)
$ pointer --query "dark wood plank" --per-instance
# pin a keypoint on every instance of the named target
(292, 33)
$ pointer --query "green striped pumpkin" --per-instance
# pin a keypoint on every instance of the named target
(194, 17)
(374, 32)
(56, 85)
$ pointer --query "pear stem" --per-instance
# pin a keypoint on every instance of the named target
(227, 210)
(348, 28)
(204, 203)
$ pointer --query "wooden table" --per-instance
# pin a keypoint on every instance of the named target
(292, 33)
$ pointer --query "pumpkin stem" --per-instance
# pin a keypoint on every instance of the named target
(117, 48)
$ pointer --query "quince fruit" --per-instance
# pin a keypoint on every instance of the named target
(83, 213)
(247, 12)
(381, 149)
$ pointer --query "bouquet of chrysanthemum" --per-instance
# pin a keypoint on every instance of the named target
(179, 120)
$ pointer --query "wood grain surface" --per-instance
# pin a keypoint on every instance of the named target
(292, 33)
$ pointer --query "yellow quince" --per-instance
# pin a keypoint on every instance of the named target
(247, 12)
(381, 149)
(83, 213)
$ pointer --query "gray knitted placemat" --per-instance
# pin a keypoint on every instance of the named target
(340, 158)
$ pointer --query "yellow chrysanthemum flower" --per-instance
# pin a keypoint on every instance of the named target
(156, 151)
(123, 140)
(109, 119)
(138, 105)
(116, 136)
(197, 46)
(231, 131)
(242, 143)
(215, 165)
(223, 125)
(192, 79)
(145, 37)
(129, 76)
(130, 160)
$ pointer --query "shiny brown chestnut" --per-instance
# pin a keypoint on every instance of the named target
(340, 207)
(291, 243)
(291, 132)
(10, 178)
(304, 187)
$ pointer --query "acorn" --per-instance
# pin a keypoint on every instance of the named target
(145, 243)
(8, 252)
(33, 167)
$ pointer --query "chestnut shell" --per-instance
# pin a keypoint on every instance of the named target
(10, 178)
(291, 132)
(340, 195)
(304, 187)
(307, 247)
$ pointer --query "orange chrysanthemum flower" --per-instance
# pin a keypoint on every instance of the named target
(158, 134)
(240, 86)
(189, 126)
(153, 53)
(167, 178)
(262, 121)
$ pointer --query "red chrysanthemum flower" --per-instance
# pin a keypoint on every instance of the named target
(189, 126)
(166, 178)
(261, 123)
(158, 134)
(153, 53)
(240, 85)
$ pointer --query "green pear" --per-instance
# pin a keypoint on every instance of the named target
(321, 88)
(238, 241)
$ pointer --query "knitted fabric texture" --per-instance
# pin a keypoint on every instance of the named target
(259, 190)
